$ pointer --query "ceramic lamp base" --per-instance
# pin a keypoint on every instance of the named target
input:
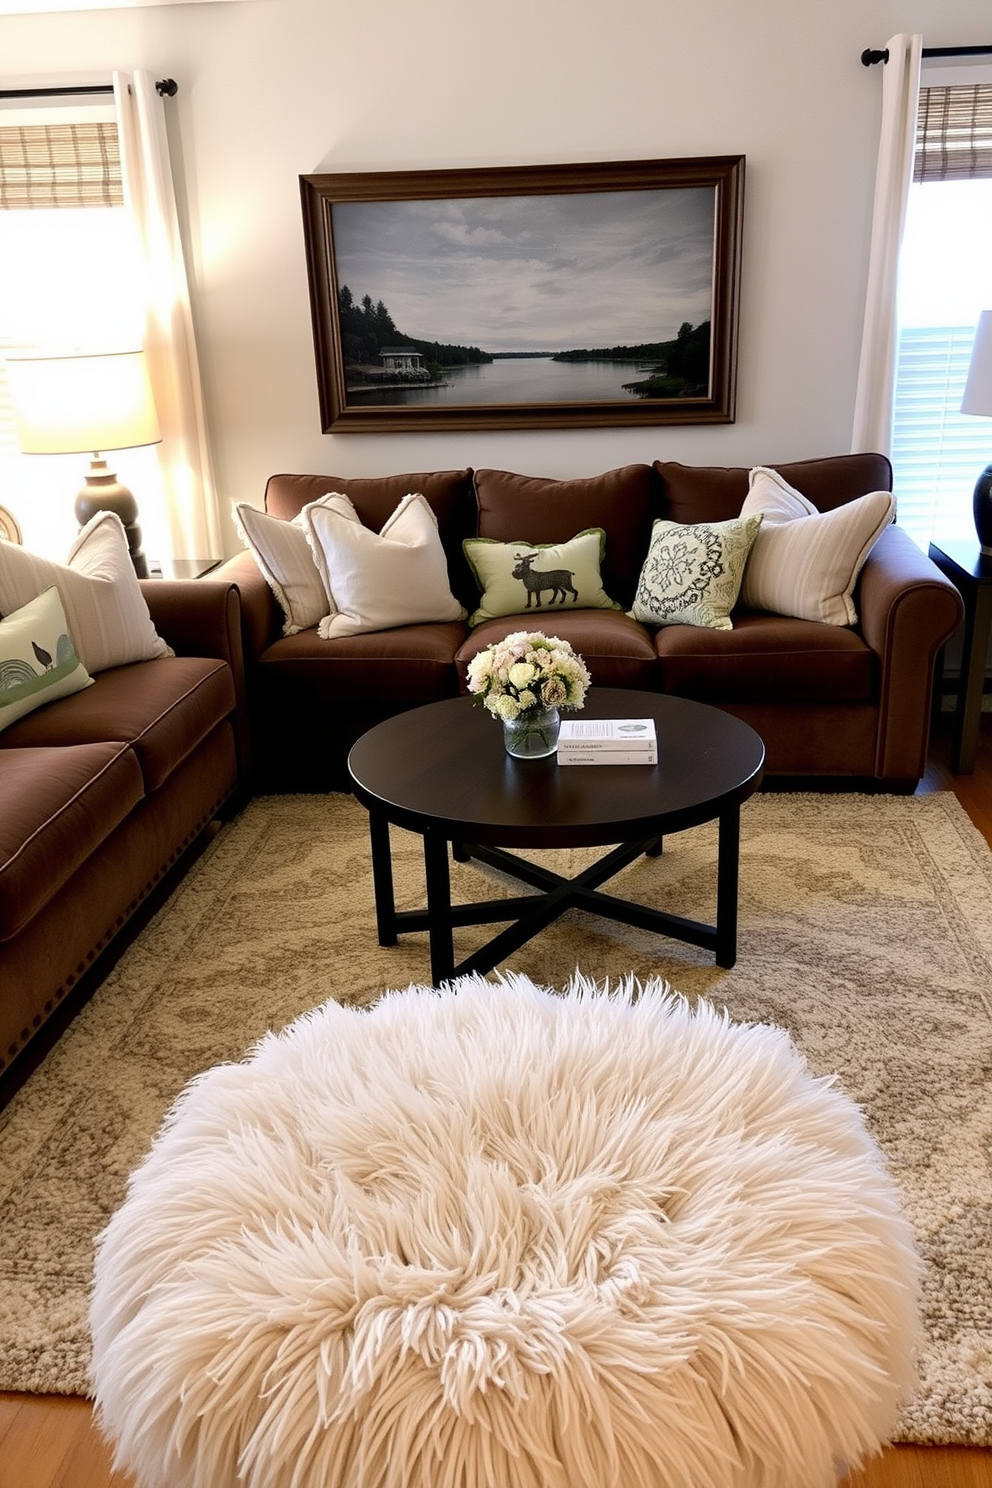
(104, 492)
(982, 508)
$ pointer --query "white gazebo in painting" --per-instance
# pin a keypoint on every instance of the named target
(401, 359)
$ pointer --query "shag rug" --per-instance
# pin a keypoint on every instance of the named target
(495, 1234)
(865, 933)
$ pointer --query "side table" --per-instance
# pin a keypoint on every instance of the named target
(970, 571)
(181, 568)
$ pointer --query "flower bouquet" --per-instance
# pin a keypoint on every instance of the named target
(525, 680)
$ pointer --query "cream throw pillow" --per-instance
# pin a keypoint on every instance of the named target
(519, 576)
(285, 561)
(377, 580)
(692, 573)
(105, 609)
(805, 562)
(38, 662)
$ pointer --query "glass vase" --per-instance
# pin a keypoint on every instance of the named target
(533, 734)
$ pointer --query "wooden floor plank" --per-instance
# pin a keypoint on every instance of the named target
(898, 1467)
(43, 1441)
(91, 1464)
(9, 1407)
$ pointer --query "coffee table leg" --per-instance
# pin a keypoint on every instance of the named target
(727, 880)
(382, 879)
(439, 907)
(656, 848)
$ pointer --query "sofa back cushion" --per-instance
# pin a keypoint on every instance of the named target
(540, 510)
(714, 493)
(375, 498)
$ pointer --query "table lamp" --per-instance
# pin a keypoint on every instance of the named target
(978, 399)
(73, 404)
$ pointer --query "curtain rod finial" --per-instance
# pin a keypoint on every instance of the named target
(870, 57)
(167, 88)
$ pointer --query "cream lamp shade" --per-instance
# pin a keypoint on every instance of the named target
(978, 389)
(87, 403)
(978, 400)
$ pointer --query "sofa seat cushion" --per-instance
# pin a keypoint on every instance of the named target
(766, 658)
(164, 709)
(408, 663)
(57, 806)
(618, 651)
(553, 511)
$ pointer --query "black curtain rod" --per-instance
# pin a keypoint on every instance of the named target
(869, 57)
(165, 88)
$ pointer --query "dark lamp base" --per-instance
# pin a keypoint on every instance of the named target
(104, 492)
(982, 508)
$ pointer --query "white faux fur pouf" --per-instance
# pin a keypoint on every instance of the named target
(496, 1237)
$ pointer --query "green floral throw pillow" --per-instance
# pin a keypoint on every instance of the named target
(693, 571)
(520, 576)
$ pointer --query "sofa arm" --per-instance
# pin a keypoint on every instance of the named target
(907, 609)
(202, 617)
(261, 617)
(196, 617)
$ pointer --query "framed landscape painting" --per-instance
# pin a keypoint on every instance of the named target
(526, 296)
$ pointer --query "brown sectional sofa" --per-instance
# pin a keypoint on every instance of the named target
(103, 791)
(834, 704)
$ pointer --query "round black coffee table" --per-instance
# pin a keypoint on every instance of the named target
(442, 771)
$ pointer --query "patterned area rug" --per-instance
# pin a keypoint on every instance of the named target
(865, 930)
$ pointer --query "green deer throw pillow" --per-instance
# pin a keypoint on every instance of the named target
(518, 577)
(693, 571)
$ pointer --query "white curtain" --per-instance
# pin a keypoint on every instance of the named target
(894, 172)
(194, 528)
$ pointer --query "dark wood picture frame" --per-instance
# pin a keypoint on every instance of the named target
(346, 408)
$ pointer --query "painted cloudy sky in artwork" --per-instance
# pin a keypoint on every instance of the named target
(534, 273)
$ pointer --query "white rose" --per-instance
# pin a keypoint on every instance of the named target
(521, 674)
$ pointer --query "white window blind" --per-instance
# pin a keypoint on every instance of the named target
(937, 451)
(945, 282)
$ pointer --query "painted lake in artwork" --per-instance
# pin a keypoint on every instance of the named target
(518, 380)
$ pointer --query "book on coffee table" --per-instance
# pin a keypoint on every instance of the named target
(608, 741)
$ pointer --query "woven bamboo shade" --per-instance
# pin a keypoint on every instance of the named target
(954, 133)
(64, 165)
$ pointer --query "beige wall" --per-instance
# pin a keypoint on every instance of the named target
(272, 89)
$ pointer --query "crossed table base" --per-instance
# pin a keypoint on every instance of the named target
(531, 913)
(442, 772)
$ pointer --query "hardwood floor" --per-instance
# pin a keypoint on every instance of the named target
(51, 1441)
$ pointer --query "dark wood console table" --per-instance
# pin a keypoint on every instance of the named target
(970, 571)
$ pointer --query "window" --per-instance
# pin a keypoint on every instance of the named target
(945, 282)
(69, 281)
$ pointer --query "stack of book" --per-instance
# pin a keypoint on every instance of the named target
(607, 741)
